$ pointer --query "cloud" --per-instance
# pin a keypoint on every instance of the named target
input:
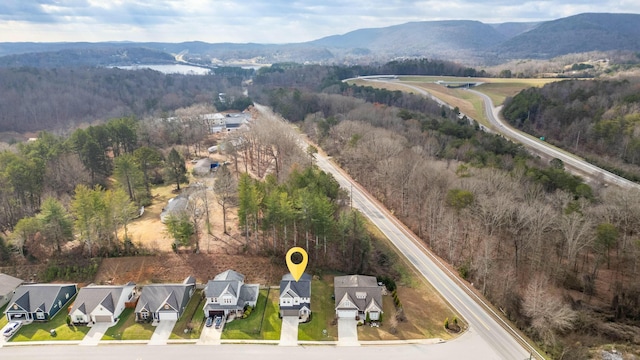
(265, 21)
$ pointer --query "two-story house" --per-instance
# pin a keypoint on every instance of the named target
(295, 297)
(227, 294)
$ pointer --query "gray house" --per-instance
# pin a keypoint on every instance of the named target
(8, 285)
(164, 301)
(357, 296)
(227, 294)
(39, 302)
(100, 303)
(295, 296)
(175, 206)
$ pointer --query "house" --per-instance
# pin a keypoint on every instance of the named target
(164, 301)
(357, 296)
(39, 302)
(175, 206)
(295, 296)
(227, 294)
(8, 285)
(100, 303)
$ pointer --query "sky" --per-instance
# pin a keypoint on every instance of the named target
(260, 21)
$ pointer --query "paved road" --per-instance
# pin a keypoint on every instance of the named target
(572, 163)
(468, 346)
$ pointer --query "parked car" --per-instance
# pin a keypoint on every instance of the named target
(11, 329)
(218, 322)
(209, 322)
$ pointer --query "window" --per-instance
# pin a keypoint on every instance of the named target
(40, 315)
(347, 303)
(144, 315)
(227, 300)
(79, 318)
(361, 295)
(214, 300)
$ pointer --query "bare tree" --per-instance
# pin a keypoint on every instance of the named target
(225, 187)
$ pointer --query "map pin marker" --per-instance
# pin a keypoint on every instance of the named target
(297, 270)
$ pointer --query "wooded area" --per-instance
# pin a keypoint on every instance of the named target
(597, 119)
(559, 257)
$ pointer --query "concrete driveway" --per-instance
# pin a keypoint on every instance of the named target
(289, 331)
(95, 334)
(348, 332)
(163, 330)
(210, 335)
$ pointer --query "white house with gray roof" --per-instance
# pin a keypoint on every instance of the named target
(227, 294)
(100, 303)
(295, 296)
(357, 296)
(8, 285)
(164, 301)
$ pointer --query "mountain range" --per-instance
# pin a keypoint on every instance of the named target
(465, 41)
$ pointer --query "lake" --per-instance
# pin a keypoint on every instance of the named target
(169, 69)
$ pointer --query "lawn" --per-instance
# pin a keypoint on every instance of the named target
(252, 326)
(128, 329)
(192, 318)
(37, 331)
(322, 312)
(3, 317)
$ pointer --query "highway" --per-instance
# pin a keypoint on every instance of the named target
(571, 162)
(574, 164)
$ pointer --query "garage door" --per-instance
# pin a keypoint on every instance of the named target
(169, 315)
(347, 314)
(103, 318)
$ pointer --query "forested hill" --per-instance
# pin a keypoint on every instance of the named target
(464, 41)
(597, 119)
(575, 34)
(46, 99)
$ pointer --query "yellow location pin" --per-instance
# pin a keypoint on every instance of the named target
(297, 270)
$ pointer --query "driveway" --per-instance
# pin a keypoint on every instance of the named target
(348, 332)
(95, 334)
(289, 331)
(163, 330)
(210, 335)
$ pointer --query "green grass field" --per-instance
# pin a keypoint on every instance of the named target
(251, 327)
(128, 329)
(322, 313)
(191, 320)
(37, 331)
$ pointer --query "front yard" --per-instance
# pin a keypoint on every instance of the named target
(37, 331)
(322, 313)
(190, 324)
(263, 322)
(128, 329)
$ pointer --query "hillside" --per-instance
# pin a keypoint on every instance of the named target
(465, 41)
